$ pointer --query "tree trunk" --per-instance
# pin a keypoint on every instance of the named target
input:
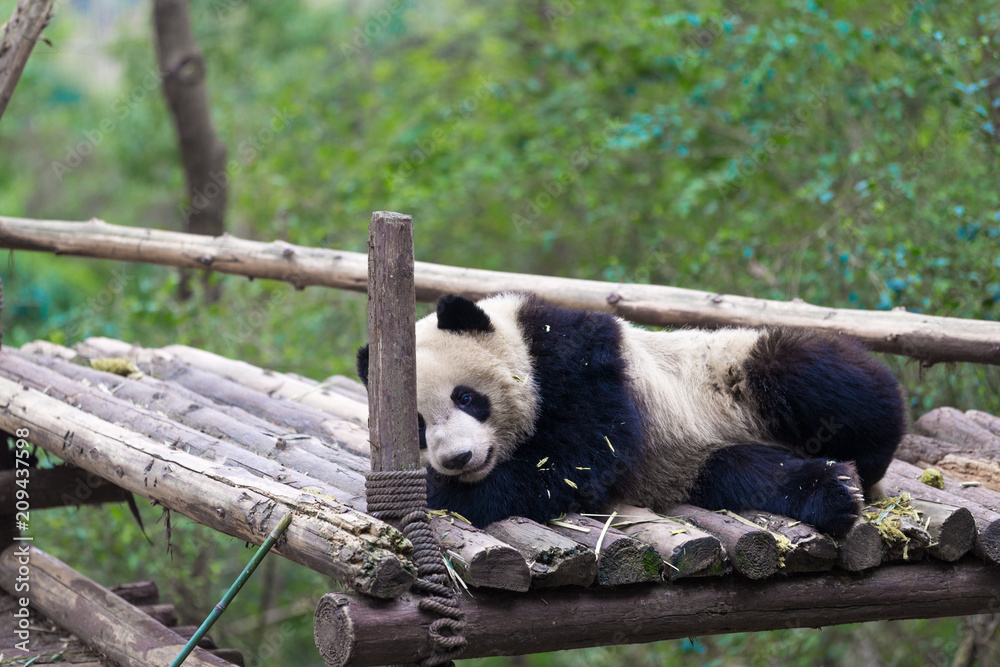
(17, 40)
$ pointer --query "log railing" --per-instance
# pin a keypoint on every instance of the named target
(928, 338)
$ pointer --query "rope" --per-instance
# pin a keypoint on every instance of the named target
(401, 495)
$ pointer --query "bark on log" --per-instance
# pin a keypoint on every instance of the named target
(351, 630)
(17, 41)
(862, 548)
(621, 559)
(927, 451)
(392, 368)
(985, 419)
(753, 552)
(192, 424)
(60, 486)
(931, 339)
(203, 154)
(101, 619)
(813, 551)
(685, 550)
(552, 559)
(479, 558)
(952, 425)
(986, 513)
(270, 383)
(138, 592)
(328, 537)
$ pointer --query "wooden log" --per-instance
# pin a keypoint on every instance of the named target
(987, 517)
(753, 552)
(58, 487)
(17, 39)
(620, 558)
(986, 420)
(351, 630)
(684, 549)
(812, 551)
(270, 383)
(392, 367)
(331, 538)
(949, 521)
(952, 425)
(931, 339)
(250, 445)
(165, 614)
(479, 558)
(862, 548)
(552, 559)
(101, 619)
(138, 592)
(927, 451)
(911, 547)
(239, 400)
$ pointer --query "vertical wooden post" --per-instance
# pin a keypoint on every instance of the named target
(392, 371)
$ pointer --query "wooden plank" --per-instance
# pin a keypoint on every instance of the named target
(685, 550)
(931, 339)
(479, 558)
(553, 559)
(620, 558)
(101, 619)
(326, 536)
(812, 551)
(753, 552)
(352, 630)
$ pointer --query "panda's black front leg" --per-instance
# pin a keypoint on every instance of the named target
(819, 492)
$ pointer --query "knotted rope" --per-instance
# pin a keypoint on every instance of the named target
(401, 495)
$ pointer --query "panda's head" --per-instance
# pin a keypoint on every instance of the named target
(476, 395)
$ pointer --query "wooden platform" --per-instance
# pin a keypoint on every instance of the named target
(235, 447)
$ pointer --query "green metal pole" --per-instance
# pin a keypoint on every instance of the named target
(233, 590)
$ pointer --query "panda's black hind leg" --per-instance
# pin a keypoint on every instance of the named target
(826, 397)
(825, 494)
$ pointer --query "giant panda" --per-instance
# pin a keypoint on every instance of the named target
(529, 409)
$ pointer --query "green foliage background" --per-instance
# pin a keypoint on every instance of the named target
(843, 152)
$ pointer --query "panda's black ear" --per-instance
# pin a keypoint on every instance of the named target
(363, 363)
(455, 313)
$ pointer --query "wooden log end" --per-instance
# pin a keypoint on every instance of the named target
(701, 555)
(756, 555)
(862, 548)
(987, 544)
(628, 561)
(497, 568)
(958, 534)
(389, 579)
(333, 629)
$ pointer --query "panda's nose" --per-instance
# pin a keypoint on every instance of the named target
(456, 462)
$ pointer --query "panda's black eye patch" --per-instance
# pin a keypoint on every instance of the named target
(422, 427)
(471, 402)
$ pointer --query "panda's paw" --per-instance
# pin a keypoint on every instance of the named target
(837, 500)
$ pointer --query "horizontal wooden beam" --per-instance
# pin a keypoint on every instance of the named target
(353, 630)
(925, 337)
(61, 486)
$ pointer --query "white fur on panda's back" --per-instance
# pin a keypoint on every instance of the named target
(687, 382)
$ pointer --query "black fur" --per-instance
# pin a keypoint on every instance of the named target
(362, 363)
(759, 477)
(585, 404)
(471, 402)
(827, 397)
(455, 313)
